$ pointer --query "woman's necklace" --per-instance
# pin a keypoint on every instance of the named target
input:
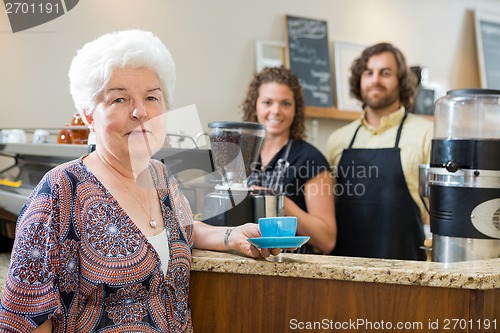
(152, 221)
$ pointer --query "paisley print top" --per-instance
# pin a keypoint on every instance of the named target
(81, 261)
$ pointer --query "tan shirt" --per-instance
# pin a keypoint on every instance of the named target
(415, 144)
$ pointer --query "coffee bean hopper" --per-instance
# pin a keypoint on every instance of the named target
(235, 148)
(464, 176)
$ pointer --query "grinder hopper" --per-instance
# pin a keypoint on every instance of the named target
(464, 176)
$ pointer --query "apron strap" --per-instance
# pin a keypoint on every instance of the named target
(281, 165)
(354, 136)
(398, 136)
(288, 145)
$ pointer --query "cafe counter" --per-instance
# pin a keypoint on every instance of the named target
(310, 293)
(307, 293)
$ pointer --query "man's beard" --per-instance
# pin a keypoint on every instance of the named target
(381, 103)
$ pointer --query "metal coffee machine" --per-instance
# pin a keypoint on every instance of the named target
(235, 148)
(464, 176)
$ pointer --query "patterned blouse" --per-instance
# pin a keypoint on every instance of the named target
(80, 260)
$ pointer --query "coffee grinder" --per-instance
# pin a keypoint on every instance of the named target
(235, 147)
(464, 176)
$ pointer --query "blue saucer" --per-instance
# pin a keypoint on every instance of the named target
(279, 242)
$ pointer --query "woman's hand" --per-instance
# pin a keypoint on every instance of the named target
(238, 241)
(208, 237)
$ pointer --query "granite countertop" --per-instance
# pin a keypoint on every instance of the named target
(480, 274)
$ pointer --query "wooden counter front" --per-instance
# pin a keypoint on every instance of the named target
(234, 294)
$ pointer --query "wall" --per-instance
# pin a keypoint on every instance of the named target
(213, 43)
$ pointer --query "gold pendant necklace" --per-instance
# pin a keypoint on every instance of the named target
(152, 222)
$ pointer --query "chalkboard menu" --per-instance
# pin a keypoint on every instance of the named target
(488, 46)
(308, 57)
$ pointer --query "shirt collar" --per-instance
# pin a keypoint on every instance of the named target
(386, 122)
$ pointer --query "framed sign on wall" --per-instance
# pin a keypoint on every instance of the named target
(488, 48)
(344, 54)
(269, 54)
(308, 57)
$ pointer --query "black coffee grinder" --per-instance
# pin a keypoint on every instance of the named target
(235, 147)
(464, 176)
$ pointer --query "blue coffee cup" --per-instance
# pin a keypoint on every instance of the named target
(279, 226)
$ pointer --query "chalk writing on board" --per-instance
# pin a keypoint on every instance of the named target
(309, 59)
(491, 51)
(488, 42)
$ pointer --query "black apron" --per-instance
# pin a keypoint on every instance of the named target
(376, 214)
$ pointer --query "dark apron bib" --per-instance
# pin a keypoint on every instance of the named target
(376, 214)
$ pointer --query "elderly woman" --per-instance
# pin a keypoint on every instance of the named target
(287, 163)
(104, 242)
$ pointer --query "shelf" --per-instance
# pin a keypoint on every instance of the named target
(331, 113)
(44, 149)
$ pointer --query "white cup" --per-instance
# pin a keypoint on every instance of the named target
(41, 136)
(16, 136)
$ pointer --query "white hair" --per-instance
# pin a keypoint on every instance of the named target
(93, 65)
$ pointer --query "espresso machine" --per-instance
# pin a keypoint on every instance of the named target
(235, 147)
(463, 178)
